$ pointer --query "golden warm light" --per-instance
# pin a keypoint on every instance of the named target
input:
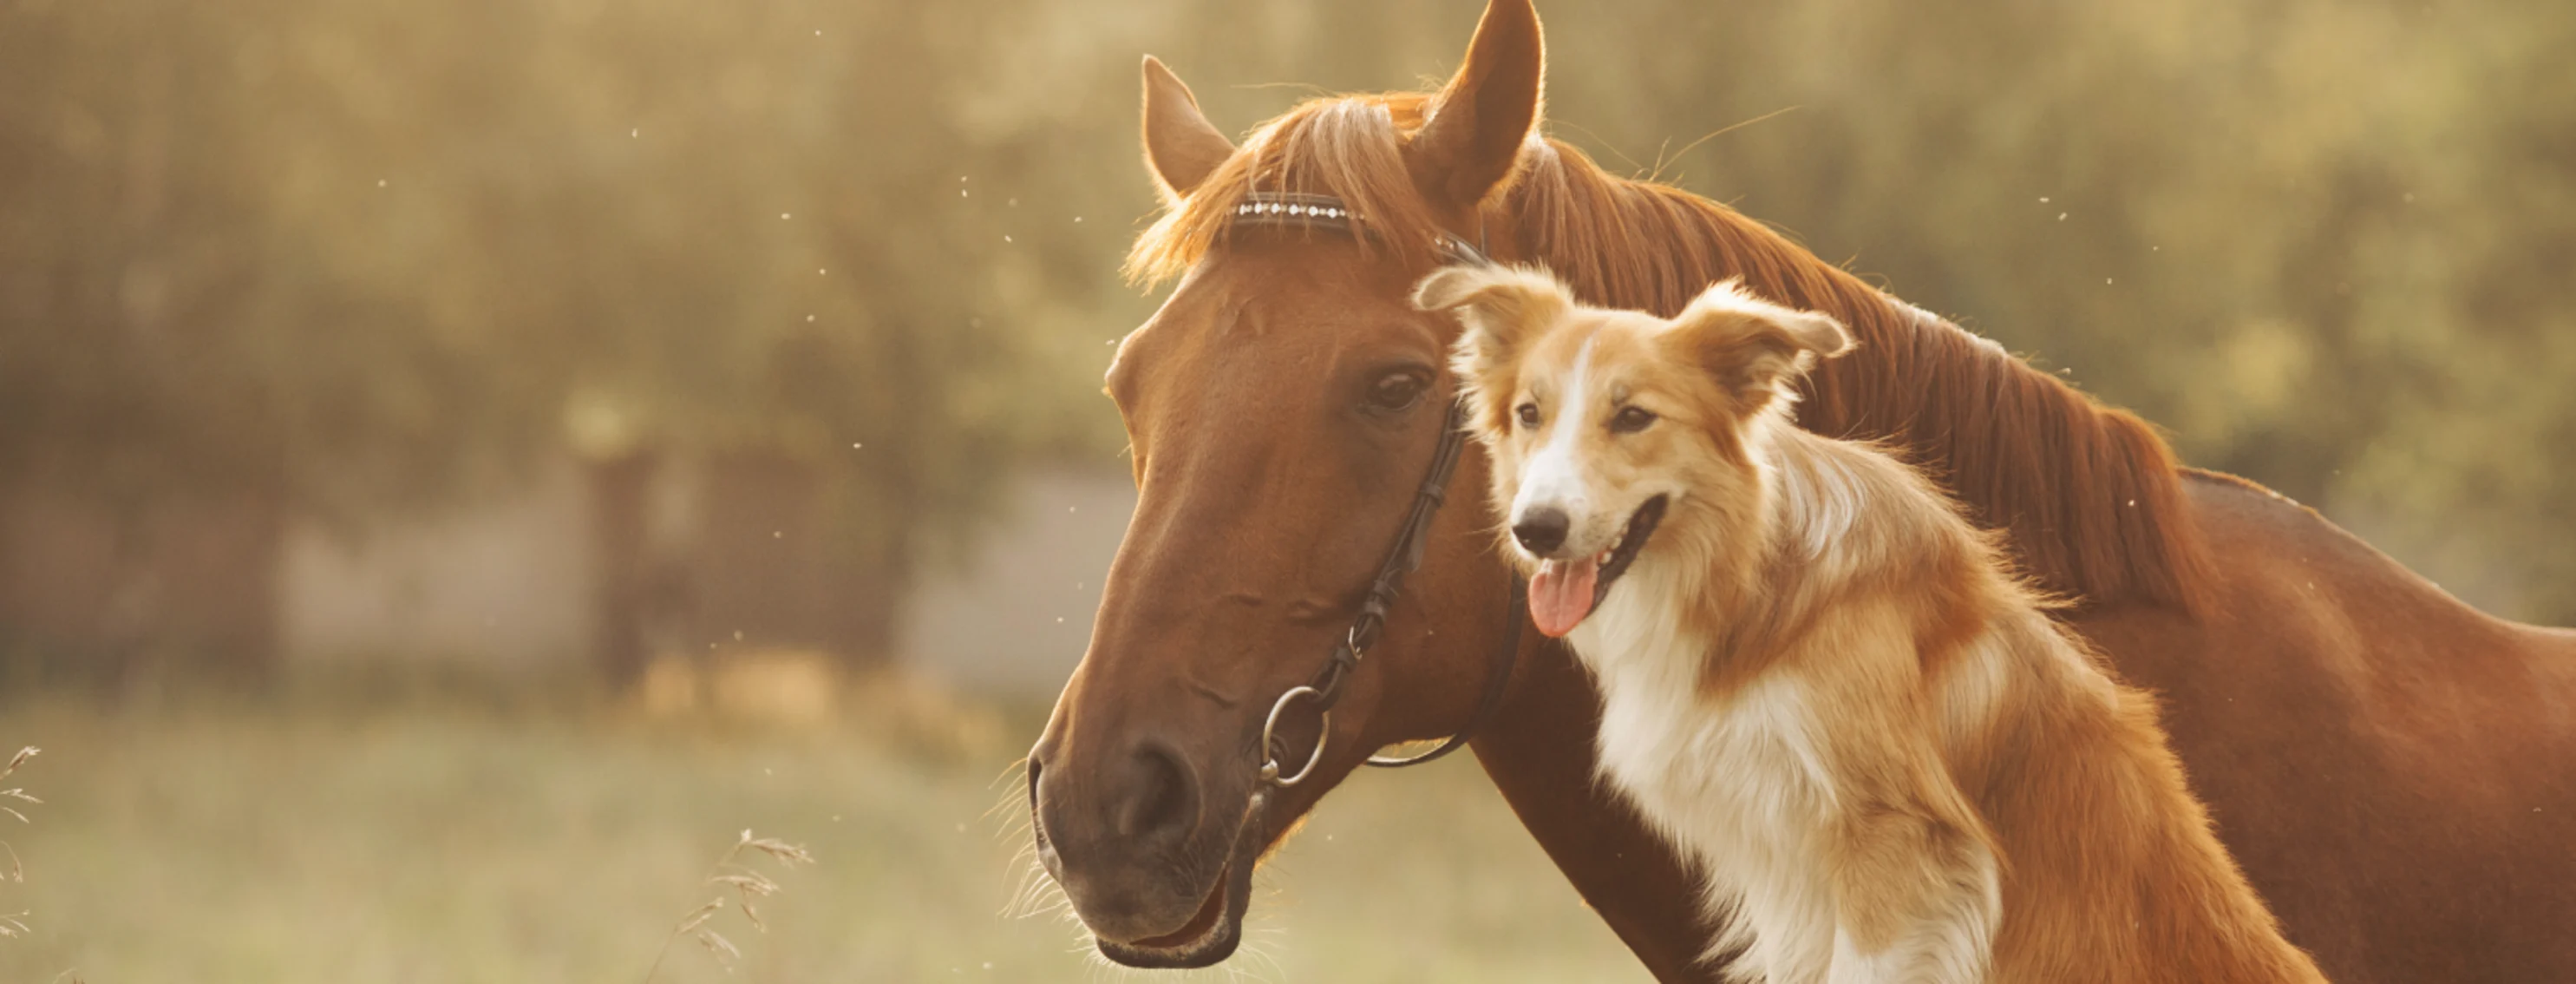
(463, 463)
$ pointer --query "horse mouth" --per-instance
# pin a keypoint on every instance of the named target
(1217, 928)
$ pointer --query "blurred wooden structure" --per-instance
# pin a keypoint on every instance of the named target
(111, 583)
(592, 565)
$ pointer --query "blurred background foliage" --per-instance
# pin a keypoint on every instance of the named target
(369, 255)
(366, 255)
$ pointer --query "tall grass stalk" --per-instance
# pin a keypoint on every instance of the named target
(14, 925)
(733, 872)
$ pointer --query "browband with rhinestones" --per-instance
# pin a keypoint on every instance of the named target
(1285, 208)
(1260, 206)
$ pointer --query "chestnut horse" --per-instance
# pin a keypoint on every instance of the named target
(2395, 771)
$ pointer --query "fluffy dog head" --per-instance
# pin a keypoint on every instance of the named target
(1603, 422)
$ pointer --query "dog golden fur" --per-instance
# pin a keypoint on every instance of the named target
(1821, 682)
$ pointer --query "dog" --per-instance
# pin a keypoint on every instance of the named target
(1820, 681)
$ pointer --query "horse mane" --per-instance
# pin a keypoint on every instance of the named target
(2090, 495)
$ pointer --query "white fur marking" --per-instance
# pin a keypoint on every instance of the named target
(1973, 687)
(1822, 502)
(1741, 788)
(1554, 476)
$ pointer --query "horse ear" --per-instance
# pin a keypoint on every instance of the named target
(1181, 147)
(1501, 307)
(1480, 119)
(1753, 346)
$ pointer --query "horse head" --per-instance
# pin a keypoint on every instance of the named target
(1283, 407)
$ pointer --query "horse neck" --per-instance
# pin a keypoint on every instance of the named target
(2090, 495)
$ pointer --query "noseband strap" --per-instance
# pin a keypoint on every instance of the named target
(1325, 690)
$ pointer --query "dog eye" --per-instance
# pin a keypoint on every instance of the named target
(1630, 420)
(1396, 391)
(1528, 414)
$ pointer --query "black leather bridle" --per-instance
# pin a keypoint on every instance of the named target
(1325, 689)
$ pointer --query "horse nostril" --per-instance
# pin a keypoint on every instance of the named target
(1163, 803)
(1541, 530)
(1038, 818)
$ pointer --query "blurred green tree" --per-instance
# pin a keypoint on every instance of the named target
(350, 258)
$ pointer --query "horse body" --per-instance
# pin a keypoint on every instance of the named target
(2395, 771)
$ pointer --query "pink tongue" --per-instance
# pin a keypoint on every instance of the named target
(1560, 594)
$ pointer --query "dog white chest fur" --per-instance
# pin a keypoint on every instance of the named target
(1739, 783)
(1740, 786)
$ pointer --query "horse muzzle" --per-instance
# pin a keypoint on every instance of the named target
(1160, 879)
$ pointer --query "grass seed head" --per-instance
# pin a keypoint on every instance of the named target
(732, 871)
(699, 916)
(726, 953)
(786, 853)
(749, 882)
(14, 925)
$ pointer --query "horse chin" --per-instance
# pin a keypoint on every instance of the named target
(1208, 939)
(1211, 935)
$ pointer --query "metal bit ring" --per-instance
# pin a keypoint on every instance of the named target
(1270, 761)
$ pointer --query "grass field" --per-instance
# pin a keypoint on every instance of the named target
(320, 839)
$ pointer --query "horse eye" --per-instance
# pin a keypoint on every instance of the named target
(1396, 391)
(1630, 420)
(1528, 414)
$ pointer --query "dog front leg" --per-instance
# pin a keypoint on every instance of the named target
(1917, 897)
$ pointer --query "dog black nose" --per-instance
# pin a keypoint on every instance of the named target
(1541, 530)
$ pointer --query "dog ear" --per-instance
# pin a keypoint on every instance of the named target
(1501, 307)
(1753, 347)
